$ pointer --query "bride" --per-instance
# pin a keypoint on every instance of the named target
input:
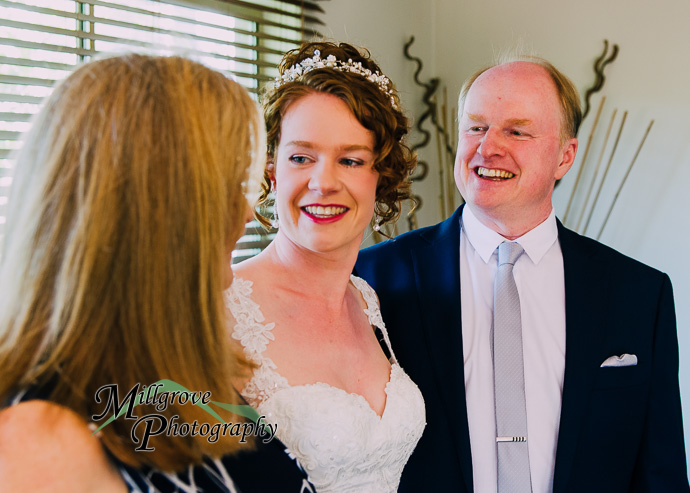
(325, 372)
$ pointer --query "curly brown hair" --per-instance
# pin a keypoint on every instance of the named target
(376, 111)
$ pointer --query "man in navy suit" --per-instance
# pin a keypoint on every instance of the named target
(599, 336)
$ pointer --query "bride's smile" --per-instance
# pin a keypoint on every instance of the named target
(324, 179)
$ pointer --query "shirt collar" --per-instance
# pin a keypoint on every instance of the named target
(536, 242)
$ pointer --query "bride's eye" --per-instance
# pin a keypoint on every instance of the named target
(351, 162)
(298, 159)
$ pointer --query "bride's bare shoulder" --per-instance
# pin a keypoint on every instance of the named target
(47, 447)
(253, 267)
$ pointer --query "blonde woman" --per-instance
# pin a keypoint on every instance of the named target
(128, 198)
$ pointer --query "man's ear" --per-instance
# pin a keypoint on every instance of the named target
(567, 158)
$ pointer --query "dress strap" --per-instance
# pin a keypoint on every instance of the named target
(373, 311)
(254, 335)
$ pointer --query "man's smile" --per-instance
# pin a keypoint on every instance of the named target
(493, 174)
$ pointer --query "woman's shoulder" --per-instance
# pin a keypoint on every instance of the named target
(249, 277)
(48, 447)
(253, 267)
(367, 292)
(254, 281)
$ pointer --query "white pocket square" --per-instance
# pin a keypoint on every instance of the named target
(622, 360)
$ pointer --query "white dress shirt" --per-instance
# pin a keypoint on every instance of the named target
(540, 282)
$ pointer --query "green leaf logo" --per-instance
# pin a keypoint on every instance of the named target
(165, 385)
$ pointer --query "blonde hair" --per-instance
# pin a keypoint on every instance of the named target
(128, 192)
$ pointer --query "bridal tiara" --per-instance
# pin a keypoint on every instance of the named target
(316, 62)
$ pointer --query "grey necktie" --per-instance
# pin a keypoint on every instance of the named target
(509, 377)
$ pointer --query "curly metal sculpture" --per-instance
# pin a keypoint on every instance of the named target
(430, 113)
(599, 66)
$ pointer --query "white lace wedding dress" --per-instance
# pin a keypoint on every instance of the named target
(342, 444)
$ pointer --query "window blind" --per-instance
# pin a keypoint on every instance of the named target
(41, 42)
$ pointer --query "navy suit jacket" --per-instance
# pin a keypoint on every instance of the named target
(620, 429)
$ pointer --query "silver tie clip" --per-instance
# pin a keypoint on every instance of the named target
(511, 439)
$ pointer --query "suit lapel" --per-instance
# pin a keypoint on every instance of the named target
(437, 268)
(585, 309)
(437, 274)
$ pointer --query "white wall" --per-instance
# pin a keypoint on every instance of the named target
(650, 79)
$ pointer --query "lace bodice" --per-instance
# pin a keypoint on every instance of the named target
(340, 441)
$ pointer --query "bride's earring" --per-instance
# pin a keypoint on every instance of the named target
(377, 223)
(377, 227)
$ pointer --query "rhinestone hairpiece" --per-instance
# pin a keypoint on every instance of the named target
(315, 62)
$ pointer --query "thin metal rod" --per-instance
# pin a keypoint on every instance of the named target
(441, 168)
(615, 197)
(584, 159)
(596, 171)
(606, 171)
(443, 160)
